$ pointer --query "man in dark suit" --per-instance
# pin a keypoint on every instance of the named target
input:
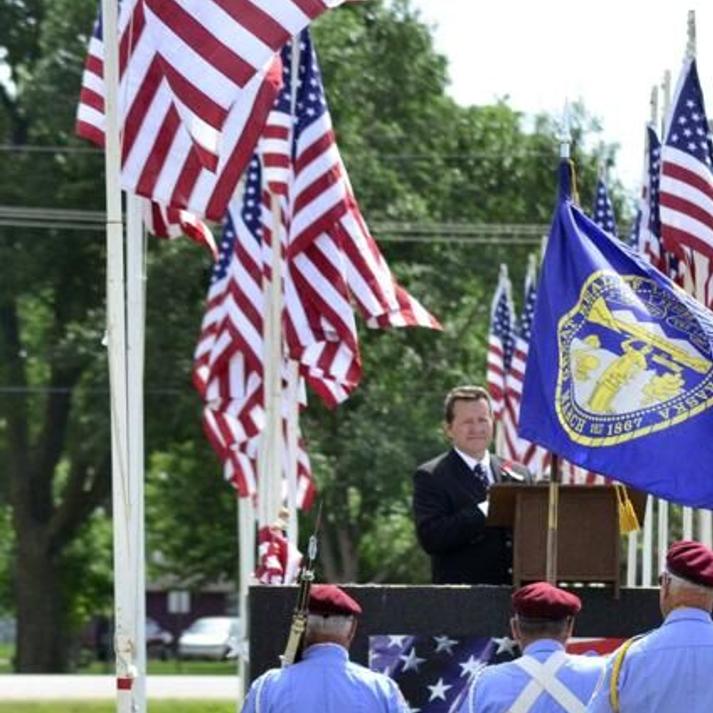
(450, 498)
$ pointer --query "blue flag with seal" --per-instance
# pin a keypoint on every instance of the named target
(619, 376)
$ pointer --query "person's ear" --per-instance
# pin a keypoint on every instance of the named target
(515, 629)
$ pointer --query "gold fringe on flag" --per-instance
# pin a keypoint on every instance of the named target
(628, 522)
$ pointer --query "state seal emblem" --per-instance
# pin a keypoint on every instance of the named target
(634, 358)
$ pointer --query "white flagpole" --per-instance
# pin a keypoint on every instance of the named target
(293, 378)
(246, 543)
(271, 451)
(136, 322)
(125, 507)
(293, 411)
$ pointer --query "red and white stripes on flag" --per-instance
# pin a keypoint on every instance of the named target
(329, 262)
(515, 448)
(171, 223)
(501, 342)
(197, 80)
(686, 191)
(278, 559)
(332, 260)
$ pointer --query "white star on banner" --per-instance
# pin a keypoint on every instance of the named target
(396, 641)
(505, 645)
(443, 643)
(438, 690)
(411, 661)
(471, 666)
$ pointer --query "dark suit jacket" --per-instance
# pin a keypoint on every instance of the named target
(451, 527)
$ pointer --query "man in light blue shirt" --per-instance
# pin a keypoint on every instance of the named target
(325, 681)
(545, 679)
(669, 669)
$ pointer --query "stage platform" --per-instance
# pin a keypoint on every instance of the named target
(437, 610)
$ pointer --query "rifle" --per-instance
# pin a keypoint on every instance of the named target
(299, 615)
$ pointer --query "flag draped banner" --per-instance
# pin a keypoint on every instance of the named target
(686, 191)
(620, 370)
(436, 673)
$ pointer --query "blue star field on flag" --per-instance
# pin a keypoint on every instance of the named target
(603, 211)
(688, 128)
(434, 672)
(503, 326)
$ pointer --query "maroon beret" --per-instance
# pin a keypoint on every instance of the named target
(541, 600)
(329, 599)
(692, 561)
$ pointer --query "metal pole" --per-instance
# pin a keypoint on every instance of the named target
(552, 520)
(136, 322)
(123, 494)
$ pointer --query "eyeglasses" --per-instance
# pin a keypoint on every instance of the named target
(664, 577)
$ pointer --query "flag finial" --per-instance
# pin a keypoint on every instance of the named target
(666, 96)
(654, 105)
(565, 135)
(691, 43)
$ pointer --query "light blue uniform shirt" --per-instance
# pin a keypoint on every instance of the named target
(668, 670)
(498, 687)
(325, 681)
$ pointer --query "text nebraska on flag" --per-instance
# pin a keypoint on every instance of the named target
(620, 370)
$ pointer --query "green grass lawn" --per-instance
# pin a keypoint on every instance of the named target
(172, 667)
(110, 707)
(6, 651)
(155, 666)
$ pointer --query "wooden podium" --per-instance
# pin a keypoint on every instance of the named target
(588, 545)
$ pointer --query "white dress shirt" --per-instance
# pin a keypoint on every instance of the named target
(484, 464)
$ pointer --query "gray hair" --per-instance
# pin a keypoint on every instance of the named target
(686, 584)
(328, 627)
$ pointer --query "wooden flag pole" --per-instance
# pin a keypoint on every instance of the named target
(553, 520)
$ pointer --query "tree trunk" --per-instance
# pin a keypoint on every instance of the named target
(40, 643)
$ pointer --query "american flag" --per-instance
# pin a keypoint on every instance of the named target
(603, 210)
(686, 197)
(501, 342)
(278, 559)
(161, 221)
(227, 368)
(332, 259)
(171, 223)
(529, 454)
(191, 107)
(434, 672)
(229, 357)
(646, 233)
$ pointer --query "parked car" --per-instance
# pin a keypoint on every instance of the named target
(210, 637)
(158, 640)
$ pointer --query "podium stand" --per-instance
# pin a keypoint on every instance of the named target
(588, 540)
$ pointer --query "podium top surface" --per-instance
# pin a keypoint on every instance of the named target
(503, 498)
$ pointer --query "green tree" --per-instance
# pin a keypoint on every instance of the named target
(412, 153)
